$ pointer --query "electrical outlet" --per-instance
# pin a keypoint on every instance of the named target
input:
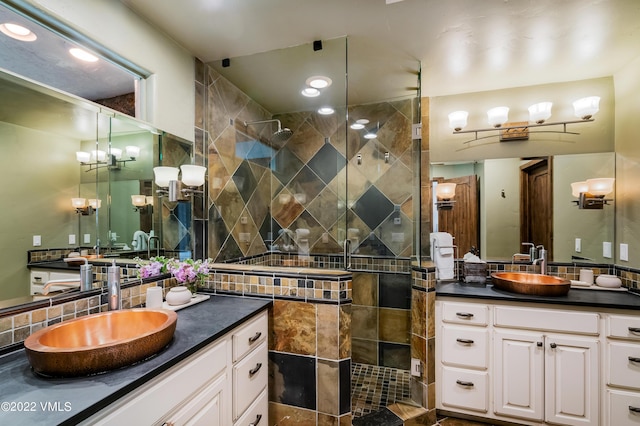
(578, 245)
(606, 249)
(37, 240)
(415, 367)
(72, 239)
(624, 252)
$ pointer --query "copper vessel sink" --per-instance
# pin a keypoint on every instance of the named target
(100, 342)
(534, 284)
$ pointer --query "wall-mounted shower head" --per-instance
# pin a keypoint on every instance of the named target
(279, 137)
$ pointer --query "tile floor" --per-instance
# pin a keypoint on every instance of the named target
(373, 388)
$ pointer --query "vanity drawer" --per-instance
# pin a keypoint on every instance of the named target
(465, 313)
(465, 389)
(622, 408)
(250, 336)
(465, 346)
(623, 326)
(547, 319)
(249, 379)
(624, 364)
(257, 414)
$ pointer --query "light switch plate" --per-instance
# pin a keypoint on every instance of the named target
(87, 238)
(606, 249)
(578, 245)
(624, 252)
(72, 238)
(415, 367)
(37, 240)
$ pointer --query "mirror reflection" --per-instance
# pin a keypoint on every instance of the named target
(501, 214)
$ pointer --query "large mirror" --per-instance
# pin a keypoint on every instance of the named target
(509, 209)
(42, 131)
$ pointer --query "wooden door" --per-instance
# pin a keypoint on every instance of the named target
(462, 220)
(536, 204)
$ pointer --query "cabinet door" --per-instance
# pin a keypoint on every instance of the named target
(519, 374)
(207, 408)
(572, 380)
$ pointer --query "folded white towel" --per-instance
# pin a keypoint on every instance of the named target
(443, 241)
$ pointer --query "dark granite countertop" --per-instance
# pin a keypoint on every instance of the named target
(575, 297)
(67, 401)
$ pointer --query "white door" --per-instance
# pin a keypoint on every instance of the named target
(519, 374)
(572, 380)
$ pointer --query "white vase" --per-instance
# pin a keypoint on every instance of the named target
(178, 296)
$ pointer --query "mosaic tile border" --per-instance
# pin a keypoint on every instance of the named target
(328, 261)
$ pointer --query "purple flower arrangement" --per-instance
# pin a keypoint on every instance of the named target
(187, 272)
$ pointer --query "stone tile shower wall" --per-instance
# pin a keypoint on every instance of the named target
(256, 191)
(381, 320)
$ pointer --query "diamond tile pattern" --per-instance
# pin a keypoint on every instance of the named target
(313, 183)
(373, 207)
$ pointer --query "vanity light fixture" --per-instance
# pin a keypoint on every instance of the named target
(166, 178)
(142, 203)
(17, 32)
(591, 193)
(113, 159)
(444, 195)
(539, 113)
(84, 208)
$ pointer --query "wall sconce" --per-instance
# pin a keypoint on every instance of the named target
(84, 208)
(584, 109)
(113, 159)
(142, 203)
(444, 195)
(590, 193)
(166, 178)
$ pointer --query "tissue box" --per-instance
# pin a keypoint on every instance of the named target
(475, 272)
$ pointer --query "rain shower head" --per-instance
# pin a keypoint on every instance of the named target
(280, 136)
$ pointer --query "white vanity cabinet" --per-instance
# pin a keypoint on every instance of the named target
(622, 372)
(220, 384)
(542, 365)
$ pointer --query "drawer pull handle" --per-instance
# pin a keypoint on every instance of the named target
(466, 315)
(634, 330)
(553, 345)
(634, 409)
(539, 344)
(634, 359)
(254, 370)
(463, 383)
(255, 337)
(465, 341)
(258, 418)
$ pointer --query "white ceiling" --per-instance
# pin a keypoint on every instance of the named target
(463, 45)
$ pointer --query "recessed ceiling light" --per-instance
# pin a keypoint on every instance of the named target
(83, 55)
(370, 135)
(357, 126)
(326, 111)
(310, 92)
(362, 121)
(17, 32)
(319, 81)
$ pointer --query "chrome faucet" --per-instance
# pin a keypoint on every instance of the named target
(86, 273)
(542, 259)
(151, 238)
(74, 283)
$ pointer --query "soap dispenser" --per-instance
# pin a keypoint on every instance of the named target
(113, 287)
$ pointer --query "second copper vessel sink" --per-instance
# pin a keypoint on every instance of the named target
(533, 284)
(100, 342)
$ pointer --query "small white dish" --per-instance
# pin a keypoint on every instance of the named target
(608, 281)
